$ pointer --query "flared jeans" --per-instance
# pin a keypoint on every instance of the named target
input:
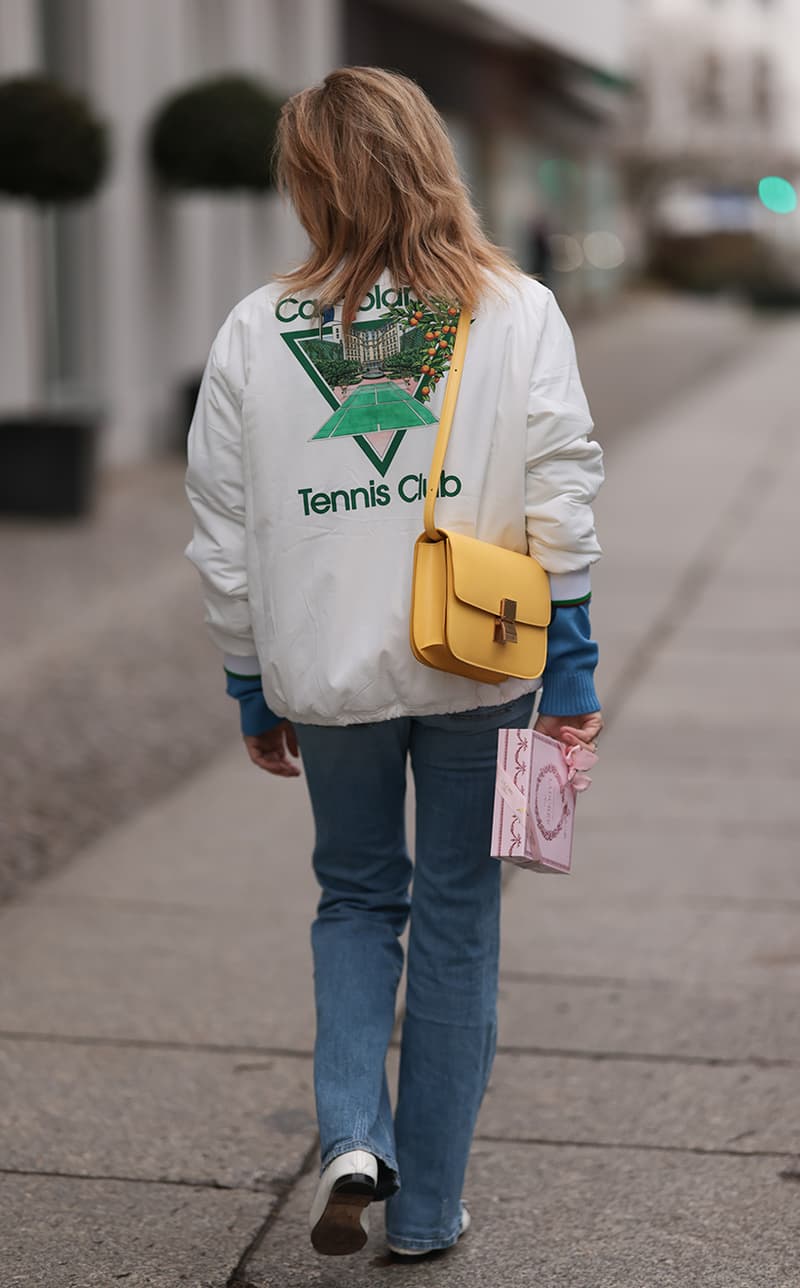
(357, 781)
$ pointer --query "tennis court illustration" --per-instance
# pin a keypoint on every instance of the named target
(380, 406)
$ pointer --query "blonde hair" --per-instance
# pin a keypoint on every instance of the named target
(368, 165)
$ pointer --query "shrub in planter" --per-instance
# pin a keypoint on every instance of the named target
(216, 136)
(52, 150)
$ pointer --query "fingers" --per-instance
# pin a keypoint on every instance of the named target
(282, 769)
(269, 751)
(588, 727)
(574, 739)
(276, 762)
(585, 734)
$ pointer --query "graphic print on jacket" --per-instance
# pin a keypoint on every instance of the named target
(379, 376)
(306, 565)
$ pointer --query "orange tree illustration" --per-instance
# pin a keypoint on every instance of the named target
(436, 321)
(403, 366)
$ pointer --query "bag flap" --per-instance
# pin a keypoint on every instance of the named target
(485, 574)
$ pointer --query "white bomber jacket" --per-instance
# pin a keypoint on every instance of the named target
(308, 455)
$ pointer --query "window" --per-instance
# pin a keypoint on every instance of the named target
(762, 88)
(709, 95)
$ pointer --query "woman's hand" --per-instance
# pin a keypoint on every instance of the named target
(271, 750)
(581, 731)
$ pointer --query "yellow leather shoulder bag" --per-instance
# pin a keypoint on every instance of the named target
(477, 609)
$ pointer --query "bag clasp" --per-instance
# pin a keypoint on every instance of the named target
(505, 626)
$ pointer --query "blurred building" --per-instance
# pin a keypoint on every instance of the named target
(144, 278)
(531, 89)
(716, 108)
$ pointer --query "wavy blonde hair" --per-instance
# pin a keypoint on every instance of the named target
(368, 165)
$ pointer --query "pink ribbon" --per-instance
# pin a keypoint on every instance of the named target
(579, 759)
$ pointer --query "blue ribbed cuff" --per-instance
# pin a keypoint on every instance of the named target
(568, 693)
(255, 716)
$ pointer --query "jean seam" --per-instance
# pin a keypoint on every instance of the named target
(431, 1244)
(488, 1021)
(357, 1142)
(477, 713)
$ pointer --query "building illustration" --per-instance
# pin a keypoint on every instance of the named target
(370, 346)
(379, 375)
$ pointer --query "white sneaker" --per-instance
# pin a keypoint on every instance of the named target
(466, 1222)
(339, 1218)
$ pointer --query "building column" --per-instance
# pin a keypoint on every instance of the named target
(135, 58)
(21, 306)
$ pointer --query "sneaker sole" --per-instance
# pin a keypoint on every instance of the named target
(339, 1231)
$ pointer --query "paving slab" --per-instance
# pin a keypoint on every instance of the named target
(721, 695)
(66, 1233)
(553, 925)
(643, 1102)
(253, 849)
(690, 794)
(246, 1123)
(751, 638)
(546, 1217)
(746, 557)
(49, 562)
(168, 974)
(567, 1012)
(722, 601)
(155, 1115)
(709, 862)
(184, 976)
(726, 748)
(126, 714)
(642, 577)
(671, 343)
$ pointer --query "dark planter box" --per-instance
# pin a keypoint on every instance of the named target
(772, 294)
(48, 463)
(185, 398)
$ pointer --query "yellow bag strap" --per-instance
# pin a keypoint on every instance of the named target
(446, 421)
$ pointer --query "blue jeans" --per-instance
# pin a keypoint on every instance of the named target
(357, 780)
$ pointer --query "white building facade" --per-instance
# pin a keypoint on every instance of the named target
(532, 92)
(718, 110)
(145, 277)
(720, 83)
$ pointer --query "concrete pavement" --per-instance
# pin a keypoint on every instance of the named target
(642, 1124)
(107, 680)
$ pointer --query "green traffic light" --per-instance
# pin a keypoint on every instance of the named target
(778, 195)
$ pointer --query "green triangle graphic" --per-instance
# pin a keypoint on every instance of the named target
(376, 403)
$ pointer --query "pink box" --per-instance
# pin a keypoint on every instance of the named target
(534, 802)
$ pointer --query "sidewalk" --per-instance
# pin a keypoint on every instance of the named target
(101, 631)
(643, 1124)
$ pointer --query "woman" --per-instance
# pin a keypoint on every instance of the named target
(308, 452)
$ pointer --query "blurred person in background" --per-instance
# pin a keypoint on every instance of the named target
(306, 510)
(540, 253)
